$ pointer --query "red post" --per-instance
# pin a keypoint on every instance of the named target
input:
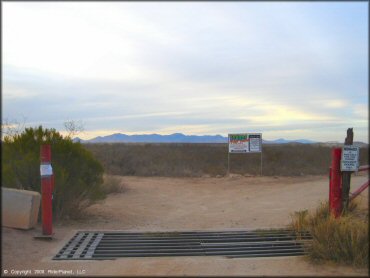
(330, 191)
(46, 189)
(335, 189)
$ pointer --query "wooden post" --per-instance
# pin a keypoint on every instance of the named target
(346, 176)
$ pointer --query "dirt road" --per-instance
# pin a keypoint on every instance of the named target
(175, 204)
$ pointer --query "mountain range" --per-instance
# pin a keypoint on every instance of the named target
(176, 138)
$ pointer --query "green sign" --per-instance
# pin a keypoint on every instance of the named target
(245, 143)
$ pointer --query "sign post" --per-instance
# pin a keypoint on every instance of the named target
(47, 181)
(335, 190)
(255, 145)
(349, 163)
(244, 143)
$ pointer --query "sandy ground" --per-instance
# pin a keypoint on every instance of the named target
(175, 204)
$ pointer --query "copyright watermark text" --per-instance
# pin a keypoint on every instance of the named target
(46, 272)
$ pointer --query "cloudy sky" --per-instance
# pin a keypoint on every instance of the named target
(286, 69)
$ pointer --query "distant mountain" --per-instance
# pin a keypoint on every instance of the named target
(155, 138)
(285, 141)
(78, 139)
(176, 138)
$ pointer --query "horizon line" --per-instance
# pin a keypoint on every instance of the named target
(188, 135)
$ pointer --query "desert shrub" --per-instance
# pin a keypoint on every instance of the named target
(112, 184)
(78, 175)
(184, 159)
(344, 240)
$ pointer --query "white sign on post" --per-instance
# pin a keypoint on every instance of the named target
(238, 143)
(46, 170)
(350, 158)
(245, 143)
(255, 143)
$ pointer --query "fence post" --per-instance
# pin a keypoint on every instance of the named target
(335, 190)
(346, 177)
(330, 186)
(46, 189)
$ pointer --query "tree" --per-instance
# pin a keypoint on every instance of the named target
(78, 175)
(11, 128)
(73, 128)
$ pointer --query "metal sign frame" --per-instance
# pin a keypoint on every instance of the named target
(245, 146)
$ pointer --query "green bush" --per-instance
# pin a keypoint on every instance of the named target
(78, 175)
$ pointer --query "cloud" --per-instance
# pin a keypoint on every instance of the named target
(201, 67)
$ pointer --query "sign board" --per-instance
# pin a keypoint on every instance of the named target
(255, 142)
(238, 143)
(350, 158)
(245, 143)
(46, 170)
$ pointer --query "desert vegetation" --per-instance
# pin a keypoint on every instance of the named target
(344, 240)
(195, 160)
(113, 184)
(78, 175)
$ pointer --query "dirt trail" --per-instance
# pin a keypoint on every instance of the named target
(174, 204)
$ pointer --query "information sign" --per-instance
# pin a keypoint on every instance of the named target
(238, 143)
(255, 143)
(46, 170)
(350, 158)
(245, 143)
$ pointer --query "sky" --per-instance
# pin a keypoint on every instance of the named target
(285, 69)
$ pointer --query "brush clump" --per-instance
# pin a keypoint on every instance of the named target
(344, 240)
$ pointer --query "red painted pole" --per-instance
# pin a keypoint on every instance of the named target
(46, 189)
(330, 191)
(335, 191)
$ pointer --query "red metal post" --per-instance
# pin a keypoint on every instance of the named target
(335, 191)
(330, 191)
(46, 189)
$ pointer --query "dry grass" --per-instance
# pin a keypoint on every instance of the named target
(196, 160)
(113, 184)
(344, 240)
